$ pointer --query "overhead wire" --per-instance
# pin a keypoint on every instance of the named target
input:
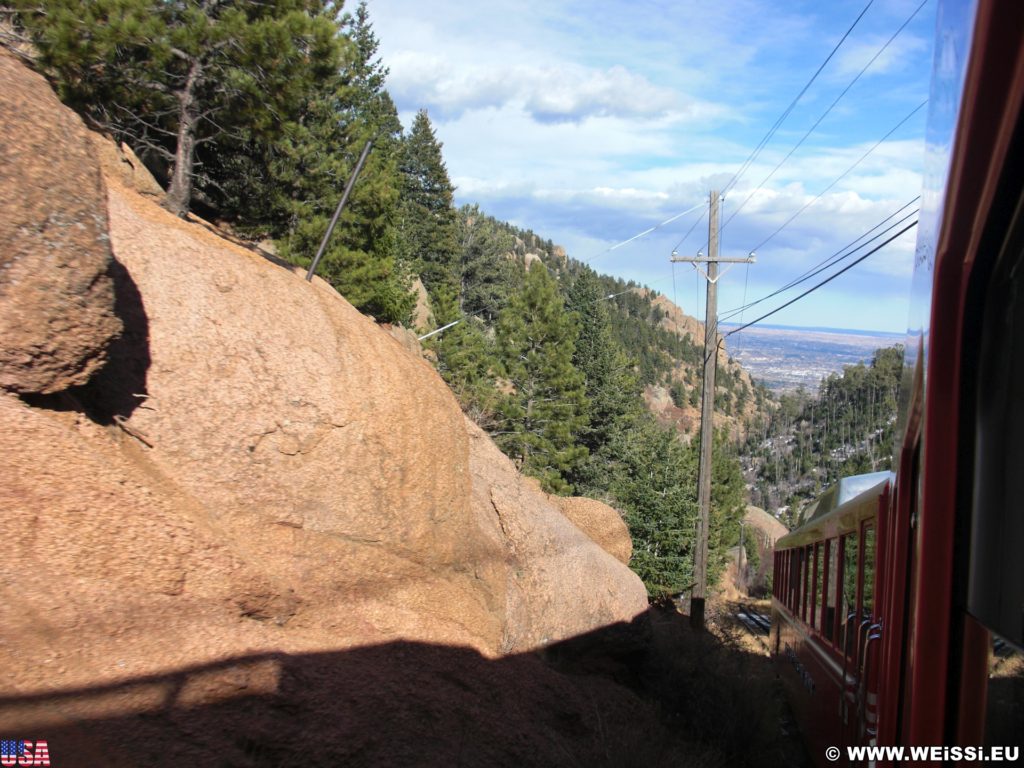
(778, 123)
(642, 234)
(839, 178)
(780, 120)
(824, 282)
(825, 114)
(688, 232)
(584, 261)
(608, 297)
(843, 253)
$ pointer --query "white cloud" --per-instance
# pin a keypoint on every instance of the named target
(590, 121)
(551, 93)
(852, 57)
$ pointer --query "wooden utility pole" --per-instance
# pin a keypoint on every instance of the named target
(700, 557)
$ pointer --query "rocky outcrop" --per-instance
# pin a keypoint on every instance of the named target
(422, 315)
(765, 530)
(685, 420)
(311, 435)
(56, 291)
(259, 469)
(120, 161)
(601, 523)
(559, 583)
(733, 411)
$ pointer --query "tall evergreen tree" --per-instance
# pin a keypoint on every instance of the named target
(466, 361)
(487, 278)
(548, 407)
(728, 502)
(429, 229)
(611, 386)
(171, 77)
(653, 478)
(362, 260)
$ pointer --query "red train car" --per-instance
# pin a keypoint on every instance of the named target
(888, 603)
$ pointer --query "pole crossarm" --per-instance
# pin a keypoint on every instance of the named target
(752, 259)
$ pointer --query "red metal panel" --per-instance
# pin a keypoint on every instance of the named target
(973, 683)
(992, 100)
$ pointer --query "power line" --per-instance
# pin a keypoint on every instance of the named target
(778, 123)
(841, 176)
(583, 261)
(826, 281)
(843, 253)
(775, 127)
(642, 234)
(832, 261)
(688, 232)
(825, 113)
(746, 277)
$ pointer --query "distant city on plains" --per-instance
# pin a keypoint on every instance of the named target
(785, 358)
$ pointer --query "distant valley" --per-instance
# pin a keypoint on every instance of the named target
(784, 358)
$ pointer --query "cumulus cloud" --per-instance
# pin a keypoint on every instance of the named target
(551, 93)
(590, 121)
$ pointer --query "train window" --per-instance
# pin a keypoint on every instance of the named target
(848, 601)
(788, 579)
(775, 574)
(784, 587)
(996, 580)
(805, 581)
(796, 557)
(828, 617)
(816, 593)
(867, 603)
(778, 586)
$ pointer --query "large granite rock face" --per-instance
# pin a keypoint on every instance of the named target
(560, 583)
(334, 456)
(257, 467)
(258, 473)
(56, 292)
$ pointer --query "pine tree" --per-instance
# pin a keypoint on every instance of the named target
(363, 260)
(728, 503)
(611, 387)
(429, 234)
(487, 278)
(466, 361)
(172, 77)
(653, 478)
(547, 409)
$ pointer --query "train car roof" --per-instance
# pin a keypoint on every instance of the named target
(825, 513)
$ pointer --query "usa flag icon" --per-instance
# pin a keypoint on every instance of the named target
(22, 752)
(12, 748)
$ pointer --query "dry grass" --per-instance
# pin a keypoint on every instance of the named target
(719, 691)
(715, 696)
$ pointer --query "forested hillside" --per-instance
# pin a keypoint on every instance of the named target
(253, 115)
(812, 440)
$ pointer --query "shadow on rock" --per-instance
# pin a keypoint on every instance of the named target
(119, 387)
(396, 704)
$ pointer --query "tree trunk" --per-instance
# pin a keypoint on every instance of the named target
(179, 191)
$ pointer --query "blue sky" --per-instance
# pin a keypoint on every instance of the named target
(589, 122)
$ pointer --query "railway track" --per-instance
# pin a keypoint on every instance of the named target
(756, 623)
